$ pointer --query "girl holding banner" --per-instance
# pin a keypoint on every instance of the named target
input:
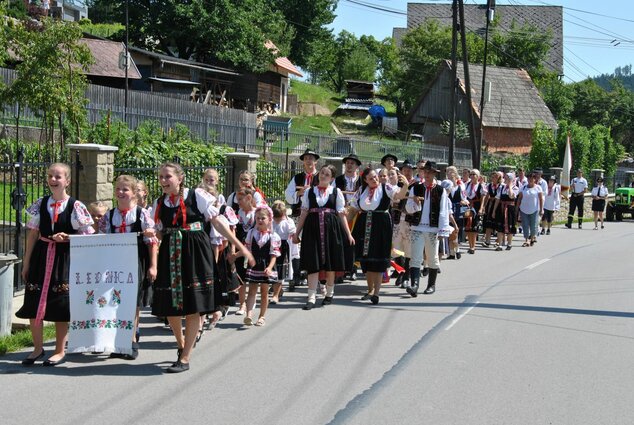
(185, 278)
(47, 261)
(128, 217)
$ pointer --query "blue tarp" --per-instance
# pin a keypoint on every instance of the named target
(377, 112)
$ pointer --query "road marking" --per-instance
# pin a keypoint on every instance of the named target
(539, 263)
(457, 319)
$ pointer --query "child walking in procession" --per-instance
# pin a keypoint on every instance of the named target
(128, 217)
(46, 262)
(285, 228)
(264, 244)
(246, 201)
(185, 278)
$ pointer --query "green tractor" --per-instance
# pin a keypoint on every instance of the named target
(623, 204)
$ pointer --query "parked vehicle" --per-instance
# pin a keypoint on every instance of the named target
(623, 203)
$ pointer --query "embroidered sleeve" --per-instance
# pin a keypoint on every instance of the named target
(410, 206)
(276, 244)
(290, 193)
(34, 212)
(206, 203)
(148, 223)
(103, 226)
(221, 200)
(391, 190)
(81, 219)
(157, 224)
(230, 215)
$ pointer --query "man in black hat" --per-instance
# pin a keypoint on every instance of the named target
(428, 206)
(294, 192)
(389, 161)
(349, 181)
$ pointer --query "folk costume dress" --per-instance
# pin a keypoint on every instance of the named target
(489, 221)
(185, 280)
(507, 215)
(46, 286)
(246, 221)
(324, 242)
(285, 229)
(134, 220)
(223, 270)
(474, 193)
(262, 245)
(373, 230)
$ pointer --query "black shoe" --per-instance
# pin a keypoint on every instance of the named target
(458, 255)
(51, 363)
(291, 287)
(438, 271)
(548, 232)
(29, 361)
(430, 290)
(326, 301)
(602, 226)
(374, 299)
(135, 353)
(543, 232)
(451, 257)
(425, 271)
(412, 291)
(178, 367)
(568, 225)
(471, 251)
(366, 296)
(308, 306)
(580, 226)
(508, 247)
(179, 353)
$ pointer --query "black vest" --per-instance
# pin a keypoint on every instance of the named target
(434, 207)
(300, 180)
(340, 182)
(63, 219)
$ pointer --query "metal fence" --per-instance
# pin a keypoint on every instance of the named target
(272, 178)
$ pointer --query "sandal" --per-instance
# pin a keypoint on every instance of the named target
(248, 321)
(261, 322)
(525, 244)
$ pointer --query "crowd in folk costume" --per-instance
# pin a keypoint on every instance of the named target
(200, 254)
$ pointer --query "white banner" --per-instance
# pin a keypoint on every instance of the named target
(103, 284)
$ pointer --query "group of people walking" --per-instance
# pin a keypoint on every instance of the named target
(200, 253)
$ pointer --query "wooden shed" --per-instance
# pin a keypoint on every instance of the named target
(512, 108)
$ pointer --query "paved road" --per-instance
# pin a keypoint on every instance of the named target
(540, 335)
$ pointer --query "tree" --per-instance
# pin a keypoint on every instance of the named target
(335, 60)
(308, 20)
(558, 96)
(49, 74)
(544, 149)
(222, 31)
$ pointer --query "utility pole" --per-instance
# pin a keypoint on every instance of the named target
(489, 17)
(126, 62)
(454, 83)
(465, 63)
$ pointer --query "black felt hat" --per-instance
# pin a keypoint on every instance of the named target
(308, 152)
(430, 166)
(352, 157)
(407, 163)
(389, 156)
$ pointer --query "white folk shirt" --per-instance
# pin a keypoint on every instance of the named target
(363, 201)
(323, 198)
(424, 225)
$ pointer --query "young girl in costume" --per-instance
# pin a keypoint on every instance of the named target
(264, 245)
(46, 262)
(246, 180)
(245, 197)
(285, 228)
(185, 278)
(97, 210)
(128, 217)
(326, 235)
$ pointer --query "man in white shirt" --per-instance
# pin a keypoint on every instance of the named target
(429, 200)
(578, 187)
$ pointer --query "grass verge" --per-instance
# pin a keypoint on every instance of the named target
(22, 338)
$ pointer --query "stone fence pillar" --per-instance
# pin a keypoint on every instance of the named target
(239, 161)
(97, 173)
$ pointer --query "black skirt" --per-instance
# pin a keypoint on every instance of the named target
(57, 300)
(334, 244)
(598, 205)
(197, 267)
(379, 248)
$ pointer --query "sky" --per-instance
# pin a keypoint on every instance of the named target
(593, 44)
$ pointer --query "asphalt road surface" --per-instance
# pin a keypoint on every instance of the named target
(539, 335)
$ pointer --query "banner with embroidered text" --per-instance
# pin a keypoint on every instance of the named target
(103, 283)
